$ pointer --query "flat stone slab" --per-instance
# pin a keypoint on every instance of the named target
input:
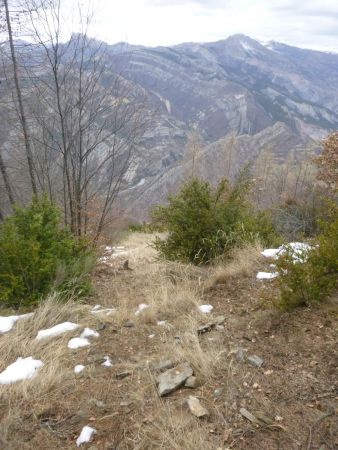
(219, 320)
(196, 408)
(174, 378)
(163, 365)
(255, 360)
(191, 382)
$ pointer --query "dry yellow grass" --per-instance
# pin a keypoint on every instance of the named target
(243, 262)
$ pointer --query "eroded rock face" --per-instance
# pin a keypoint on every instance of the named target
(267, 96)
(174, 378)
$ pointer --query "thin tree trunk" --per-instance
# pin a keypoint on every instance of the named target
(22, 115)
(3, 170)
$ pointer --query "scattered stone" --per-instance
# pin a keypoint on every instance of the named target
(173, 378)
(219, 320)
(205, 328)
(261, 416)
(164, 365)
(218, 392)
(191, 382)
(126, 265)
(177, 339)
(126, 403)
(196, 408)
(97, 403)
(255, 360)
(77, 418)
(240, 354)
(95, 358)
(101, 326)
(124, 374)
(245, 413)
(128, 324)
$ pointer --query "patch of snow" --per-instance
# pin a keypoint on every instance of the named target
(120, 253)
(141, 307)
(88, 332)
(247, 47)
(298, 251)
(107, 311)
(78, 368)
(266, 275)
(151, 336)
(107, 362)
(161, 322)
(271, 253)
(21, 369)
(85, 435)
(108, 248)
(56, 330)
(7, 323)
(205, 309)
(78, 342)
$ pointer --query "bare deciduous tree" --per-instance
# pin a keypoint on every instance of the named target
(88, 120)
(19, 96)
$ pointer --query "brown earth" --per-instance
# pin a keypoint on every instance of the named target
(295, 389)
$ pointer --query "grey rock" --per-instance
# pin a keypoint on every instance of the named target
(77, 418)
(191, 382)
(247, 414)
(98, 403)
(196, 408)
(129, 324)
(240, 354)
(263, 417)
(255, 360)
(218, 392)
(124, 374)
(219, 320)
(173, 378)
(101, 326)
(164, 365)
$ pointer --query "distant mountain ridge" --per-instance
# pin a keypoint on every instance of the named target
(237, 86)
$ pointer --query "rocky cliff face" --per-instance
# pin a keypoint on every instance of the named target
(267, 96)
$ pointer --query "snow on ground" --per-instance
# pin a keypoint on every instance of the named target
(107, 362)
(88, 332)
(298, 251)
(266, 275)
(56, 330)
(79, 368)
(205, 309)
(106, 311)
(161, 323)
(141, 307)
(78, 342)
(151, 336)
(7, 323)
(21, 369)
(85, 435)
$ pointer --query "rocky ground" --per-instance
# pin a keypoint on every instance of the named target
(163, 373)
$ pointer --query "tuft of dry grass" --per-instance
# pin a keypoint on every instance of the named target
(244, 261)
(175, 429)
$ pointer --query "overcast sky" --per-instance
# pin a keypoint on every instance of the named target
(305, 23)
